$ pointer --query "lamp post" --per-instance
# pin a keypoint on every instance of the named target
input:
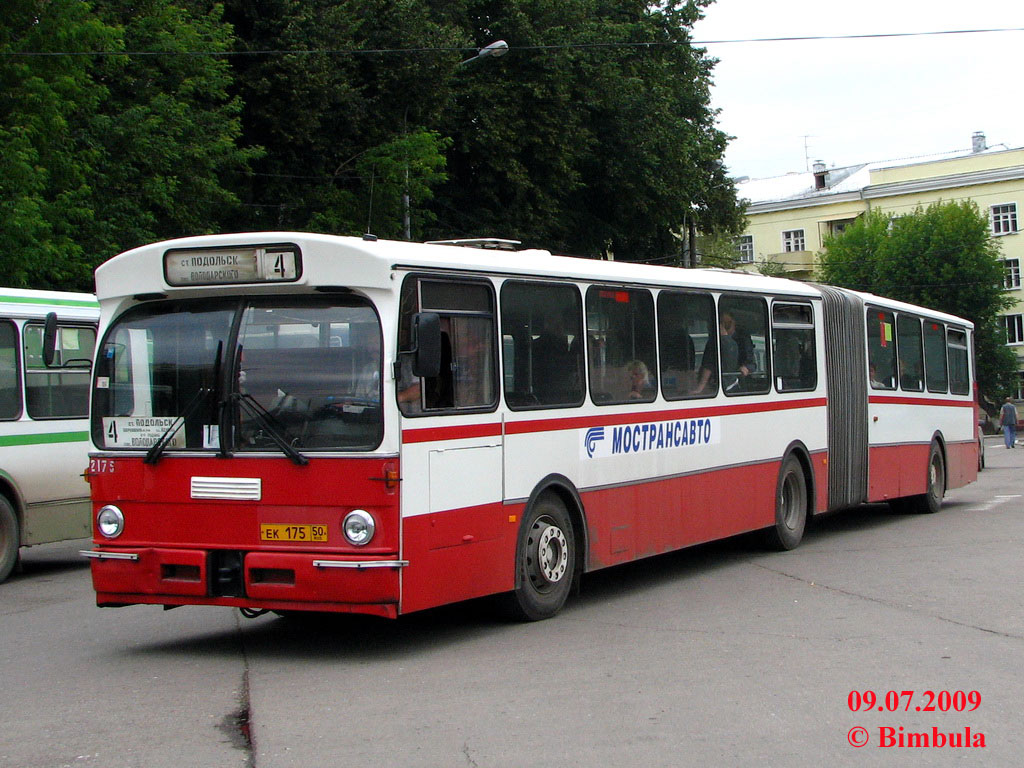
(490, 51)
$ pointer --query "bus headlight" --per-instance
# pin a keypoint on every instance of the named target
(110, 521)
(358, 527)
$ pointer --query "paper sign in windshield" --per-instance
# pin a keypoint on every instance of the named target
(140, 431)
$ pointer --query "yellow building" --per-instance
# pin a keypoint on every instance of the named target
(789, 216)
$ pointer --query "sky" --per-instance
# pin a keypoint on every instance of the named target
(789, 104)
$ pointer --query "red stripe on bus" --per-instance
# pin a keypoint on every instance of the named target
(460, 432)
(606, 420)
(897, 400)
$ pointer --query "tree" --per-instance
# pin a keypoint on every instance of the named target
(100, 150)
(941, 257)
(45, 170)
(593, 135)
(347, 110)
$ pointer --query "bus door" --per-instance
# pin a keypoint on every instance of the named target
(452, 438)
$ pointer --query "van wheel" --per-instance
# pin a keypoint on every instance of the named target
(545, 561)
(10, 538)
(790, 506)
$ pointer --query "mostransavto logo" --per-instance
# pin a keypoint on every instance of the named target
(602, 442)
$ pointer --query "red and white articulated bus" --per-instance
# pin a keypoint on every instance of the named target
(297, 422)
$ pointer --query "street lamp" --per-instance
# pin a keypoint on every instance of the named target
(490, 51)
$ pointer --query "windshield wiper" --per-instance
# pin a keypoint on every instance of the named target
(266, 420)
(156, 451)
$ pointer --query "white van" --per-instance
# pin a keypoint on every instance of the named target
(44, 425)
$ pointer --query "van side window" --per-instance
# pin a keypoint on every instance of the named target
(620, 344)
(542, 345)
(686, 321)
(10, 372)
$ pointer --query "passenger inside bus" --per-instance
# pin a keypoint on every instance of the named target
(556, 359)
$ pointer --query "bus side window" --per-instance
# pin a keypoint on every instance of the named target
(686, 323)
(10, 391)
(881, 329)
(936, 373)
(908, 344)
(621, 345)
(959, 376)
(60, 392)
(543, 331)
(467, 379)
(743, 322)
(793, 347)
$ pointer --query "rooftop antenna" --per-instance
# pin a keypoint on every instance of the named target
(807, 151)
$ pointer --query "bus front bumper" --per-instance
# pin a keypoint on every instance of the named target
(281, 581)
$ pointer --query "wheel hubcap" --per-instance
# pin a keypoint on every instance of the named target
(550, 552)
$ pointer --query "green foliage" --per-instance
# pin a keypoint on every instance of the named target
(940, 257)
(105, 152)
(594, 133)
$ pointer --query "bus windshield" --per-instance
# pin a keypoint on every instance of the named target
(241, 375)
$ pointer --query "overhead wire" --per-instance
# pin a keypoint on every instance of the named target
(544, 47)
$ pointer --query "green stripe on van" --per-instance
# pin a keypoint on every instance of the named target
(54, 302)
(53, 437)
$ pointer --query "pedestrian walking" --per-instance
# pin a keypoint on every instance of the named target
(1008, 421)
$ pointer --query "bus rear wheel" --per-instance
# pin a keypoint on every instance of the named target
(930, 501)
(10, 538)
(545, 561)
(790, 506)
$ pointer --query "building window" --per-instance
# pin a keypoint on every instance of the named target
(1011, 273)
(1014, 329)
(793, 240)
(838, 227)
(1004, 219)
(745, 249)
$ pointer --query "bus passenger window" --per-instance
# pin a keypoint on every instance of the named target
(62, 391)
(908, 343)
(686, 324)
(467, 379)
(793, 347)
(620, 342)
(936, 374)
(743, 334)
(881, 340)
(542, 329)
(10, 392)
(959, 376)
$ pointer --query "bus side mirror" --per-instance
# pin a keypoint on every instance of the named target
(426, 327)
(50, 339)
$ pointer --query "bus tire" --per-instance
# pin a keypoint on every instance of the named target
(930, 501)
(10, 538)
(545, 560)
(791, 498)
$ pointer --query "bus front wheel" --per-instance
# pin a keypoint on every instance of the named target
(545, 560)
(790, 506)
(10, 538)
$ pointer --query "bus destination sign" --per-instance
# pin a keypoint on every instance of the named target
(224, 266)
